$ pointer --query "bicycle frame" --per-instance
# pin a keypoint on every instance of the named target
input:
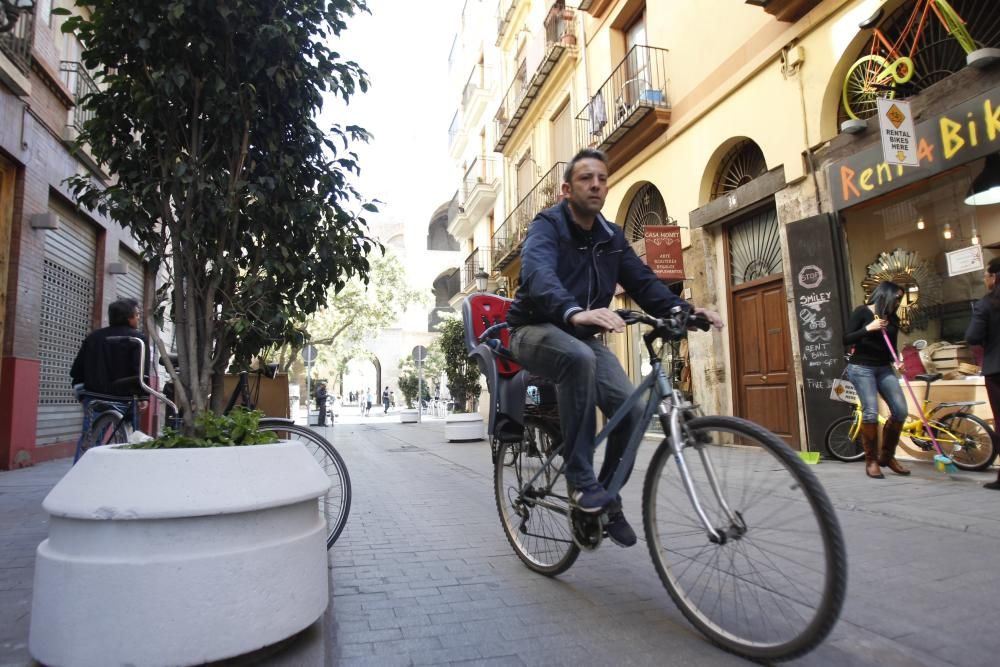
(671, 412)
(893, 50)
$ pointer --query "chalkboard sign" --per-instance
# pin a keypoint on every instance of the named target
(813, 246)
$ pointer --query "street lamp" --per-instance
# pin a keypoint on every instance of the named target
(11, 9)
(481, 279)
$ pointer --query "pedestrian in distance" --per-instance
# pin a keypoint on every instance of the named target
(385, 401)
(872, 371)
(392, 398)
(984, 329)
(572, 260)
(321, 396)
(369, 401)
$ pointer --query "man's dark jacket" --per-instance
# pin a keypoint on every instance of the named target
(984, 329)
(100, 362)
(564, 272)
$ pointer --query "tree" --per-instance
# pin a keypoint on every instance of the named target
(463, 373)
(205, 119)
(355, 314)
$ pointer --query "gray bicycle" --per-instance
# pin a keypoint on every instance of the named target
(742, 534)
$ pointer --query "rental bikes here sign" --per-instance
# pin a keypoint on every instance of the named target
(964, 133)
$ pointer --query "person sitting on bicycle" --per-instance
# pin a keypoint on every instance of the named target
(571, 261)
(100, 365)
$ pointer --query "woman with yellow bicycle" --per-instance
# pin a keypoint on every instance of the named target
(870, 369)
(984, 329)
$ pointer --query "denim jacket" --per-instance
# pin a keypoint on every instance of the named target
(564, 272)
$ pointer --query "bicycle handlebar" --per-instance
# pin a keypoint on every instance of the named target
(142, 366)
(680, 320)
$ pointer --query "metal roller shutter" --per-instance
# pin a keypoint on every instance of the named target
(65, 320)
(129, 284)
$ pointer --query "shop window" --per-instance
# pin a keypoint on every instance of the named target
(931, 243)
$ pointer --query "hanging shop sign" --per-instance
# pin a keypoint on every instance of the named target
(965, 133)
(899, 140)
(663, 251)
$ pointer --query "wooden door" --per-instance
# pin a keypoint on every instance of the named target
(765, 378)
(6, 224)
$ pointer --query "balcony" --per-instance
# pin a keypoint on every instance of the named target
(476, 95)
(505, 16)
(630, 109)
(509, 237)
(78, 80)
(478, 261)
(533, 72)
(457, 136)
(479, 191)
(785, 10)
(16, 43)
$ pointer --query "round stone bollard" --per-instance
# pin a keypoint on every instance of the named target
(179, 556)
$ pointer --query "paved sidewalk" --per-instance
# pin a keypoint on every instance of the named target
(423, 573)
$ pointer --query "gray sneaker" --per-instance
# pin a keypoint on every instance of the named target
(619, 530)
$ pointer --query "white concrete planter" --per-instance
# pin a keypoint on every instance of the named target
(179, 557)
(463, 426)
(408, 416)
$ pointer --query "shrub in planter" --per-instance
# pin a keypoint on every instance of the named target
(462, 372)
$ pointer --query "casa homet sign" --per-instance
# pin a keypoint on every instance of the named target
(965, 133)
(663, 251)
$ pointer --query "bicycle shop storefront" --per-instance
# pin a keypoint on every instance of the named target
(931, 229)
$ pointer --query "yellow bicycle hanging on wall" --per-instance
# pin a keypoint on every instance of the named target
(886, 65)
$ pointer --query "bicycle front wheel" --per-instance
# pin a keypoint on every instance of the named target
(336, 504)
(843, 439)
(109, 428)
(967, 440)
(956, 26)
(771, 586)
(535, 514)
(867, 80)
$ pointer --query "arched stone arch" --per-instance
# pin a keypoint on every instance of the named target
(438, 237)
(721, 159)
(397, 241)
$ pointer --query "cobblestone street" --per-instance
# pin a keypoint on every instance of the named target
(424, 575)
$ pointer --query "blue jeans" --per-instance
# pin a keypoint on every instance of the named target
(869, 381)
(587, 375)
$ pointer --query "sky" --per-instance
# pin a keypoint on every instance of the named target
(403, 45)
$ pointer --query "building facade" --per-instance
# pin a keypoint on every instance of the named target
(748, 125)
(61, 265)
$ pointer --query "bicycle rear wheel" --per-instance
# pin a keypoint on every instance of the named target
(865, 82)
(109, 428)
(336, 504)
(843, 440)
(967, 441)
(535, 517)
(773, 587)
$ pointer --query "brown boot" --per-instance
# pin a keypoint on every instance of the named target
(869, 441)
(890, 438)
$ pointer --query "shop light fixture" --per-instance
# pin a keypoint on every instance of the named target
(947, 230)
(975, 236)
(920, 222)
(985, 188)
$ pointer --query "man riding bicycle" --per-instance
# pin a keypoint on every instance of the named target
(571, 261)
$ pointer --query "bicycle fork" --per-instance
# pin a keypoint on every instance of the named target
(672, 414)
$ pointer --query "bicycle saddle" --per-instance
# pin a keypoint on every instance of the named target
(928, 377)
(872, 20)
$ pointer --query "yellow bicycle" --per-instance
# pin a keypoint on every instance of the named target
(963, 437)
(887, 66)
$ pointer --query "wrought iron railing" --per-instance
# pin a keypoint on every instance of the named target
(77, 79)
(639, 80)
(479, 80)
(16, 43)
(512, 98)
(510, 235)
(505, 9)
(478, 260)
(482, 171)
(454, 208)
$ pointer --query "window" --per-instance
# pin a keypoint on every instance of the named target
(562, 135)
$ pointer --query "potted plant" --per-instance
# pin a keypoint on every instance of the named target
(186, 549)
(463, 383)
